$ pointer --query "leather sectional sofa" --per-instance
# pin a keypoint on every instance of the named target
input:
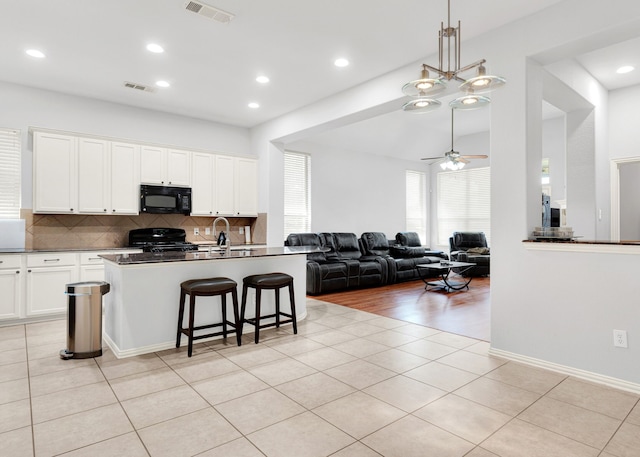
(371, 260)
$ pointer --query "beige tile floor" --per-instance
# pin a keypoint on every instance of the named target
(350, 384)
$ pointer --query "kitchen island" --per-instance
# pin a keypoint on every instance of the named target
(141, 311)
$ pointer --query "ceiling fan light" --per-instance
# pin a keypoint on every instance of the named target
(421, 105)
(469, 102)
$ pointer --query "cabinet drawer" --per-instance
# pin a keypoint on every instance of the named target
(92, 258)
(54, 259)
(10, 261)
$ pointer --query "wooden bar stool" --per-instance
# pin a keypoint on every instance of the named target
(208, 288)
(273, 281)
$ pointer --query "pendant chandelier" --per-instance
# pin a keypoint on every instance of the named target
(425, 87)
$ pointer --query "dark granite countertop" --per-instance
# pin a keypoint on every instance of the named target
(173, 256)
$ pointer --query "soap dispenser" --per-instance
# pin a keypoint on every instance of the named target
(222, 239)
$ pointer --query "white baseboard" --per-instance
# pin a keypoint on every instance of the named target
(570, 371)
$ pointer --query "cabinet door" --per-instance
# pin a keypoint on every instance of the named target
(45, 289)
(93, 176)
(152, 165)
(125, 178)
(54, 173)
(202, 179)
(92, 273)
(178, 168)
(246, 187)
(224, 187)
(10, 293)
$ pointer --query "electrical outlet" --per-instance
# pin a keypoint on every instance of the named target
(241, 230)
(207, 231)
(196, 231)
(620, 339)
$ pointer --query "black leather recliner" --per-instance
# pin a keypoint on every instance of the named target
(410, 252)
(323, 274)
(471, 247)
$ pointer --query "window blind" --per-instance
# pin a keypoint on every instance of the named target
(297, 192)
(464, 203)
(9, 174)
(416, 186)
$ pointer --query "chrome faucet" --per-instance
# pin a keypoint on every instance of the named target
(227, 241)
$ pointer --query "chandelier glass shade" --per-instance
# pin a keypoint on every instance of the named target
(426, 86)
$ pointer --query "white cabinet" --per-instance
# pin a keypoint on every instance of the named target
(202, 184)
(124, 178)
(108, 177)
(162, 166)
(236, 186)
(10, 286)
(54, 173)
(246, 187)
(47, 275)
(224, 179)
(93, 176)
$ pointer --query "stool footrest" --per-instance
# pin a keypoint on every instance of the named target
(252, 320)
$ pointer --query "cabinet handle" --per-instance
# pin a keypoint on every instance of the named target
(1, 261)
(52, 260)
(94, 258)
(113, 210)
(105, 209)
(28, 271)
(18, 272)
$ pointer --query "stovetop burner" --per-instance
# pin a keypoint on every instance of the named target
(160, 240)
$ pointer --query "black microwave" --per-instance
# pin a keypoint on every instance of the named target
(165, 199)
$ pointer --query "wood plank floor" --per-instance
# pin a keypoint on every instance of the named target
(464, 313)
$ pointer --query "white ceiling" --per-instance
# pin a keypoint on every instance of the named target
(94, 46)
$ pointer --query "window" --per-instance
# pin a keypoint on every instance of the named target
(297, 192)
(9, 174)
(416, 204)
(464, 203)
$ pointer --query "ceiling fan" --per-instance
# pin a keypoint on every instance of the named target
(453, 160)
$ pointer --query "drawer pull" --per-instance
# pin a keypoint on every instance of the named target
(52, 260)
(94, 258)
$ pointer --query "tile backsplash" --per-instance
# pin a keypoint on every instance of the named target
(77, 231)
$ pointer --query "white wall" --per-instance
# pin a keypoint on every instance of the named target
(24, 107)
(555, 307)
(355, 192)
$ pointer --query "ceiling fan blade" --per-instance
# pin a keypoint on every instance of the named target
(479, 156)
(433, 158)
(463, 160)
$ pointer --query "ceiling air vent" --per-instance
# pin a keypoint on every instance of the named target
(209, 12)
(141, 87)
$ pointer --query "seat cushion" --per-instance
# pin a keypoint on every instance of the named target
(268, 280)
(208, 286)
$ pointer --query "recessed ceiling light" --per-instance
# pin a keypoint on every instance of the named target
(253, 105)
(341, 62)
(262, 79)
(162, 84)
(625, 69)
(155, 48)
(35, 53)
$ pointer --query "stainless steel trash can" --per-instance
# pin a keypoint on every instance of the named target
(84, 319)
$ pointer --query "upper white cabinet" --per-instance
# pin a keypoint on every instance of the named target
(93, 176)
(224, 179)
(202, 184)
(54, 173)
(246, 187)
(236, 187)
(162, 166)
(124, 178)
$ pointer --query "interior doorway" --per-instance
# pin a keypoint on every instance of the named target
(625, 187)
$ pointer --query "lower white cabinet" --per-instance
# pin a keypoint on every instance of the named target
(10, 286)
(47, 275)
